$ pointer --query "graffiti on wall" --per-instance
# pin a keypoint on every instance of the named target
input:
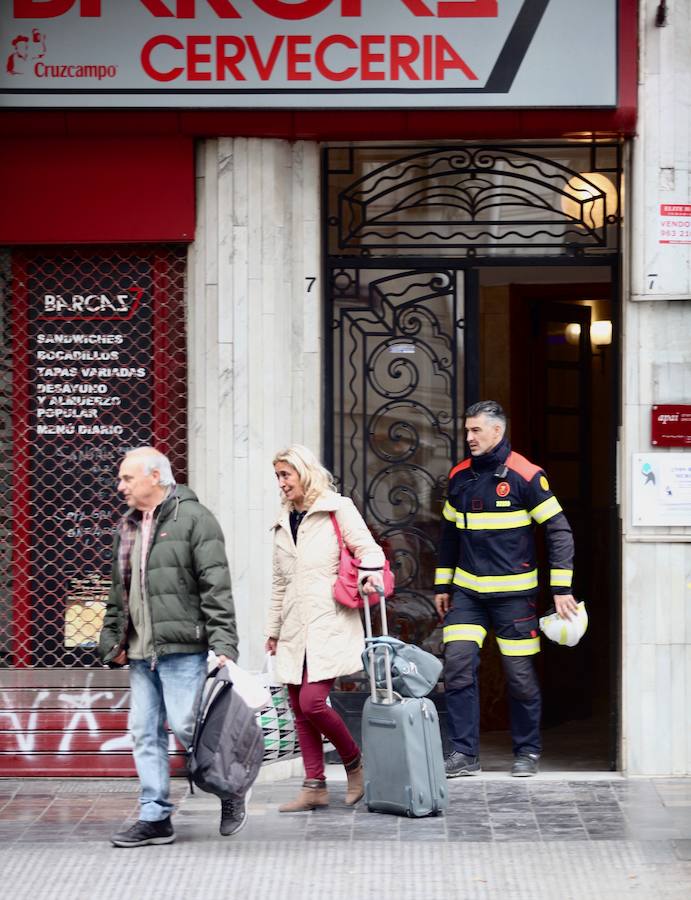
(46, 731)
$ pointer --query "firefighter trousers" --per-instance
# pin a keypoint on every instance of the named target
(466, 625)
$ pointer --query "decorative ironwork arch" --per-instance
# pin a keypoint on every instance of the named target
(492, 197)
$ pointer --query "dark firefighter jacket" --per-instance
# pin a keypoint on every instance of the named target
(487, 543)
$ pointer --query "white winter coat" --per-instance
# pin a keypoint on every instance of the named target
(304, 616)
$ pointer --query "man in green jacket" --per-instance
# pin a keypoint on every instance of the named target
(170, 601)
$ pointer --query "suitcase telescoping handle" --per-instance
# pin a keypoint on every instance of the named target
(387, 650)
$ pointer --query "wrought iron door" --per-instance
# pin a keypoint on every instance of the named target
(397, 397)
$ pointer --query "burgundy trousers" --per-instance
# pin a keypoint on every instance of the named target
(314, 718)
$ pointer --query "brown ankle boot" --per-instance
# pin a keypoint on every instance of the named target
(356, 782)
(313, 795)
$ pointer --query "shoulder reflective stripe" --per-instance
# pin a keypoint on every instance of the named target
(517, 518)
(443, 576)
(545, 510)
(464, 633)
(560, 577)
(449, 512)
(489, 584)
(526, 647)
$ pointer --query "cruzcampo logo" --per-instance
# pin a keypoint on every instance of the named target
(26, 49)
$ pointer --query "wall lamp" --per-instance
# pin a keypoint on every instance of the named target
(600, 336)
(600, 333)
(587, 196)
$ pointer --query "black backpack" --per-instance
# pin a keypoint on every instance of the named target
(228, 744)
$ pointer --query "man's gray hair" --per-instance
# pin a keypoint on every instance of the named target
(489, 408)
(151, 459)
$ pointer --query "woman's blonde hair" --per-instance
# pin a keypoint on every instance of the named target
(314, 478)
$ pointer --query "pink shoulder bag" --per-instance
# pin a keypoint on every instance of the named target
(349, 574)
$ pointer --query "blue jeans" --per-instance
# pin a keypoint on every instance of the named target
(166, 694)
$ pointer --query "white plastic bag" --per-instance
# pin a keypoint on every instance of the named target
(268, 671)
(252, 687)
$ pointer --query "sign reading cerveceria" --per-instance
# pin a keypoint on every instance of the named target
(308, 53)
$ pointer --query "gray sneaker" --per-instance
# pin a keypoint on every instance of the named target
(525, 764)
(460, 764)
(233, 814)
(142, 833)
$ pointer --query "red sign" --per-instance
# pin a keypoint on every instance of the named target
(675, 223)
(671, 426)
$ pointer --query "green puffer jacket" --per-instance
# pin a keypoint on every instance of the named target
(187, 582)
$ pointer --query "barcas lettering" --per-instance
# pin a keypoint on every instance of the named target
(93, 303)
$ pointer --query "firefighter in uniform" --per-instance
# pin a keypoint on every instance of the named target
(487, 577)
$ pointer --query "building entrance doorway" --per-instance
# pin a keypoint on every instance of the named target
(429, 315)
(546, 350)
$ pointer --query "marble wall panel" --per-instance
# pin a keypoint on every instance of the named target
(656, 368)
(255, 346)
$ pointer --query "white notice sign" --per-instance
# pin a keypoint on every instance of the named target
(661, 489)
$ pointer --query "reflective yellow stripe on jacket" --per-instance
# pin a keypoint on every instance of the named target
(487, 521)
(545, 510)
(443, 576)
(491, 521)
(449, 512)
(560, 577)
(464, 633)
(490, 584)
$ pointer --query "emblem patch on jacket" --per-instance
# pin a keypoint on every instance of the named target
(544, 484)
(503, 489)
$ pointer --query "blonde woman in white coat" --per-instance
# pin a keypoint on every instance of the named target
(314, 638)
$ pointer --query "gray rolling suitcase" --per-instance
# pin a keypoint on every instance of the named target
(401, 747)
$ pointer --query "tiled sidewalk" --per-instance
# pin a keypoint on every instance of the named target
(499, 809)
(543, 837)
(480, 809)
(56, 810)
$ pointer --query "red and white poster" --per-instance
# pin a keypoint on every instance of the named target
(675, 223)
